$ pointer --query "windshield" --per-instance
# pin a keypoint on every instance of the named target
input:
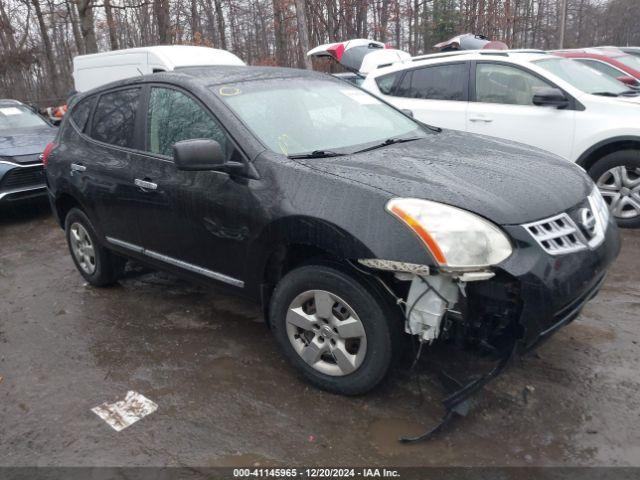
(295, 116)
(630, 61)
(582, 77)
(19, 116)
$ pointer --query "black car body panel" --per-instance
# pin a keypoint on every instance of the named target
(233, 228)
(505, 182)
(21, 172)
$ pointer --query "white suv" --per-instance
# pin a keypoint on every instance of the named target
(530, 97)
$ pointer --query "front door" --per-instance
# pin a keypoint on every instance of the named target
(504, 108)
(194, 220)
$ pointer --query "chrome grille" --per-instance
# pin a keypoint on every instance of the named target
(557, 235)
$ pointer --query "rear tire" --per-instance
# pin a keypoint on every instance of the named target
(618, 178)
(96, 264)
(337, 330)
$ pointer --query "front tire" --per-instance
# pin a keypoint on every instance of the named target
(338, 331)
(96, 264)
(618, 178)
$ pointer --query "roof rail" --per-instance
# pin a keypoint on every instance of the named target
(440, 55)
(502, 53)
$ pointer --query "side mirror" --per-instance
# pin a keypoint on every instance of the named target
(407, 112)
(198, 154)
(628, 80)
(550, 97)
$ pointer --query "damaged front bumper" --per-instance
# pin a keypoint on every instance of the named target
(554, 289)
(524, 300)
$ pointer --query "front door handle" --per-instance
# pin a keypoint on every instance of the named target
(78, 167)
(481, 119)
(145, 185)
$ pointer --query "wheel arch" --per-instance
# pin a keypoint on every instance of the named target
(601, 149)
(63, 204)
(294, 241)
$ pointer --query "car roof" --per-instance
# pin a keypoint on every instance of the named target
(211, 75)
(596, 52)
(515, 56)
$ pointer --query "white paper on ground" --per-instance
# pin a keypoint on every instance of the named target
(121, 414)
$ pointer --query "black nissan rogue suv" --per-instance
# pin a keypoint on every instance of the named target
(349, 221)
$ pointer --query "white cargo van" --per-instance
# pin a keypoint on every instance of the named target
(91, 71)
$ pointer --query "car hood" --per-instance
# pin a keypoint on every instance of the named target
(26, 141)
(506, 182)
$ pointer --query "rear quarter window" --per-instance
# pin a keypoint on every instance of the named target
(386, 83)
(114, 119)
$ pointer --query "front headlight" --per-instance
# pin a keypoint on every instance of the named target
(454, 237)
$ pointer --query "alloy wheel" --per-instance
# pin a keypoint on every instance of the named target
(620, 187)
(82, 248)
(326, 332)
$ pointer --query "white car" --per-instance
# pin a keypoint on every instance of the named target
(530, 97)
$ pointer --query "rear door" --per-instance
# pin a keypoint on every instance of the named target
(101, 166)
(436, 94)
(503, 107)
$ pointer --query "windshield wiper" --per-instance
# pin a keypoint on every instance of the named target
(606, 94)
(387, 142)
(317, 154)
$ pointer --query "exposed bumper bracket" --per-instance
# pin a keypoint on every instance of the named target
(454, 403)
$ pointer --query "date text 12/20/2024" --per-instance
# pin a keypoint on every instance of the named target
(282, 473)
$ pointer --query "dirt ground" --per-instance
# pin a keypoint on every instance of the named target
(226, 397)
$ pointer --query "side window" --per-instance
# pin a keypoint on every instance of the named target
(404, 89)
(174, 116)
(386, 82)
(442, 82)
(82, 110)
(115, 117)
(497, 83)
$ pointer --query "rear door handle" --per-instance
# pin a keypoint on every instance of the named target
(144, 184)
(78, 167)
(481, 119)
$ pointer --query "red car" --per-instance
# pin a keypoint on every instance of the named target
(610, 61)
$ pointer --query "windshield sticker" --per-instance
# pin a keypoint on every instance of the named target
(229, 91)
(10, 111)
(361, 97)
(283, 141)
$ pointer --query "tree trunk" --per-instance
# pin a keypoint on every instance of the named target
(280, 32)
(46, 43)
(221, 24)
(85, 12)
(161, 12)
(303, 33)
(75, 27)
(113, 38)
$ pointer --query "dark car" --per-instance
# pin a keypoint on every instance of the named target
(23, 137)
(348, 221)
